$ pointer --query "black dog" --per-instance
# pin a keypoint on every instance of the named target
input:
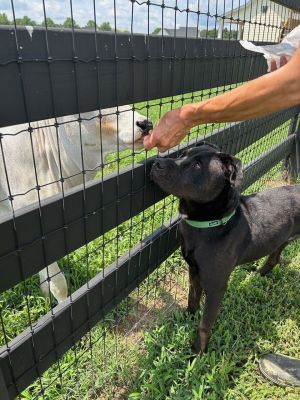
(220, 228)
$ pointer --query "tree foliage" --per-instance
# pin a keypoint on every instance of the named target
(156, 31)
(213, 33)
(70, 23)
(50, 23)
(25, 21)
(105, 26)
(91, 24)
(230, 34)
(4, 20)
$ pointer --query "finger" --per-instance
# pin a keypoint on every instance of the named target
(149, 142)
(162, 149)
(146, 143)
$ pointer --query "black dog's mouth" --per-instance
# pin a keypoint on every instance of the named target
(153, 173)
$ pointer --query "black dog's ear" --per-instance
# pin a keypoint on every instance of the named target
(233, 169)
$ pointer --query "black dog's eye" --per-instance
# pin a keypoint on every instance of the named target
(197, 165)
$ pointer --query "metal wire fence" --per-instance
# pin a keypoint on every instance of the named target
(74, 178)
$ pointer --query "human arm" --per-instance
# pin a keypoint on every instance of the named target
(265, 95)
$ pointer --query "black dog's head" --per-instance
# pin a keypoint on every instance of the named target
(200, 174)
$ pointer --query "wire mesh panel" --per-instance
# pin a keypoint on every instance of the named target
(88, 259)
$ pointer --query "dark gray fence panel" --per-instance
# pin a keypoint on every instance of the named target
(70, 222)
(293, 4)
(258, 167)
(3, 388)
(238, 136)
(147, 67)
(33, 351)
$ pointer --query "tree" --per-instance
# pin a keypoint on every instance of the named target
(70, 23)
(105, 26)
(50, 23)
(4, 20)
(156, 31)
(229, 34)
(209, 33)
(91, 24)
(25, 21)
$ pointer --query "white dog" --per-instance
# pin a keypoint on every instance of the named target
(62, 152)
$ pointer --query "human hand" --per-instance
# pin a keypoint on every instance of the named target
(169, 131)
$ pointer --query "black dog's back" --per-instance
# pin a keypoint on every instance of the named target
(273, 217)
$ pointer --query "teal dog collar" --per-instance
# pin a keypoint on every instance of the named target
(210, 224)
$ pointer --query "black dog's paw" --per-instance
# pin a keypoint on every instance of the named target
(195, 352)
(191, 312)
(192, 357)
(196, 348)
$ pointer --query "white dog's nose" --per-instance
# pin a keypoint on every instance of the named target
(146, 126)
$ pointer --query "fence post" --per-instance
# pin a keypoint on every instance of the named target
(291, 166)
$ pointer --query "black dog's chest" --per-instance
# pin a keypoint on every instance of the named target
(205, 242)
(188, 242)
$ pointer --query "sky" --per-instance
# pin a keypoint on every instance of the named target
(83, 10)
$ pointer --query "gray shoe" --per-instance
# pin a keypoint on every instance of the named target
(281, 370)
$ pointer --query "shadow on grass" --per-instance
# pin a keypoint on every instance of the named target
(258, 315)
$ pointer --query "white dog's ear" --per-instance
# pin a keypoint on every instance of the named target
(233, 169)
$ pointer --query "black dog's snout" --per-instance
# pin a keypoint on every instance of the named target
(160, 168)
(158, 164)
(163, 164)
(146, 126)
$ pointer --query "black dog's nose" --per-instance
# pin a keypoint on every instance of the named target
(158, 164)
(146, 126)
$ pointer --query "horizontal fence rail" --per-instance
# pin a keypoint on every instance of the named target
(61, 67)
(38, 236)
(293, 4)
(258, 167)
(36, 349)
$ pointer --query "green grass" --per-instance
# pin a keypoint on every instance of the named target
(258, 315)
(118, 360)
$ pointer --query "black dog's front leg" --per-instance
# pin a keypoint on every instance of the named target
(195, 289)
(214, 292)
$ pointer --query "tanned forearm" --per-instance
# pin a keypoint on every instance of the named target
(267, 94)
(264, 95)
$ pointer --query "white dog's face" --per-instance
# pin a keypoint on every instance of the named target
(96, 137)
(111, 132)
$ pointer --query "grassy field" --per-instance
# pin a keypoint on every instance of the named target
(259, 315)
(142, 349)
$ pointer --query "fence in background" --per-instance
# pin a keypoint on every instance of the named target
(52, 72)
